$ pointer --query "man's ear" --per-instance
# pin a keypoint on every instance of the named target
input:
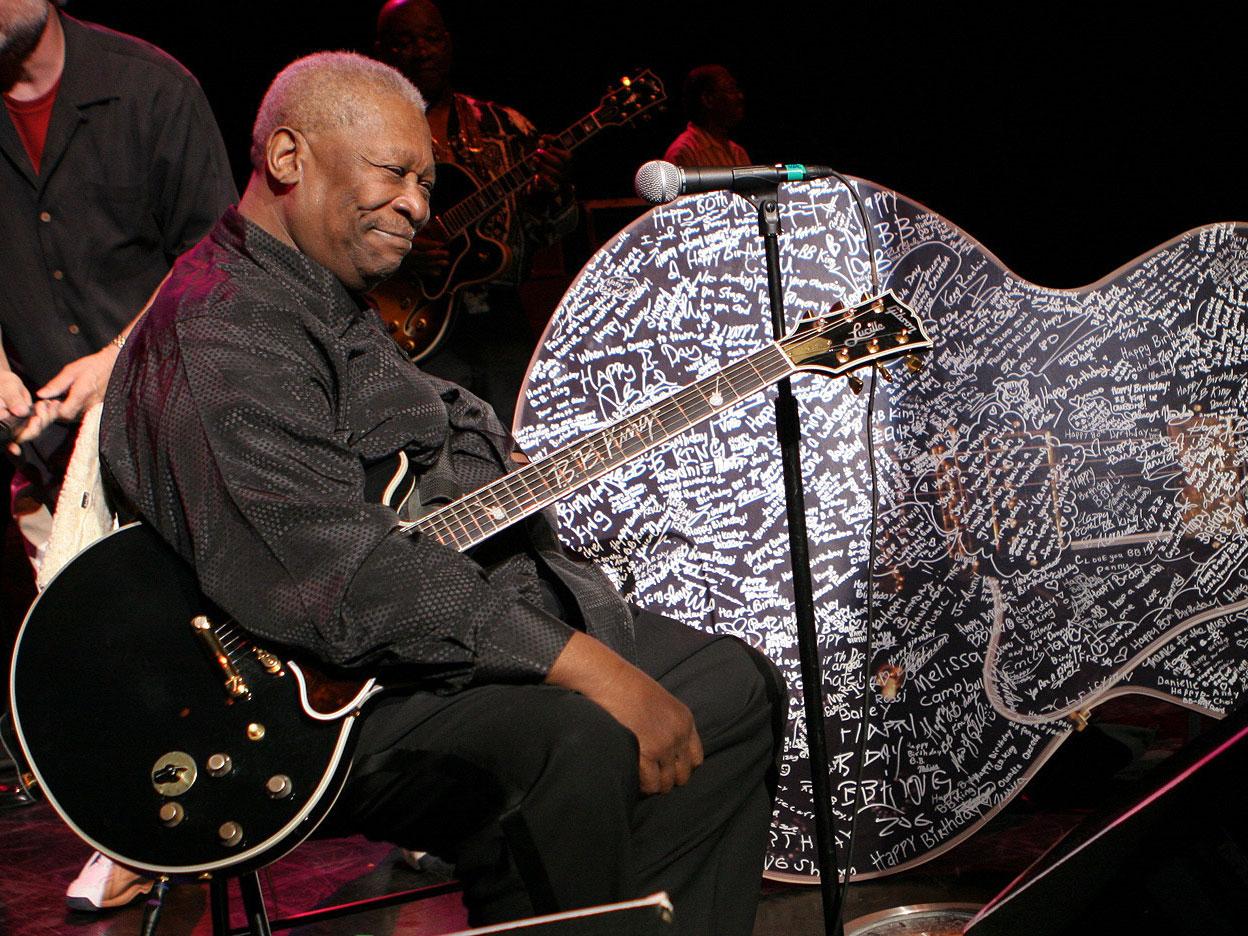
(284, 155)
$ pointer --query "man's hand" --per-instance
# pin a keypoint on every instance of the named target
(15, 402)
(668, 740)
(79, 384)
(552, 169)
(428, 256)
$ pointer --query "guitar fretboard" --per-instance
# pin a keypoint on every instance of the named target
(523, 492)
(871, 331)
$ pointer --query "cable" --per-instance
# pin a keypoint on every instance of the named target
(866, 229)
(865, 709)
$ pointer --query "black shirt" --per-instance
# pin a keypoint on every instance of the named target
(134, 172)
(239, 421)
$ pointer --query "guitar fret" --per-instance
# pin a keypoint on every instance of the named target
(458, 518)
(461, 530)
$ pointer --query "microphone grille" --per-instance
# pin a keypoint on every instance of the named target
(658, 182)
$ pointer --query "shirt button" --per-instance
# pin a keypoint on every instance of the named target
(45, 216)
(73, 329)
(58, 274)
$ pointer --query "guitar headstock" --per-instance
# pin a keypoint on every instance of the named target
(635, 96)
(881, 328)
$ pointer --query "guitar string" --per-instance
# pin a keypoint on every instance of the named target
(455, 518)
(551, 477)
(458, 517)
(541, 472)
(468, 211)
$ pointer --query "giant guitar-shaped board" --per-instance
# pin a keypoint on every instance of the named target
(1063, 512)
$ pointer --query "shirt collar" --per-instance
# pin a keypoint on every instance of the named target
(339, 306)
(92, 80)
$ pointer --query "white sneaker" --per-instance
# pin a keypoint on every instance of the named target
(426, 863)
(413, 859)
(102, 883)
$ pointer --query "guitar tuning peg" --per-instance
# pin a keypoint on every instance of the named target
(855, 382)
(914, 363)
(879, 369)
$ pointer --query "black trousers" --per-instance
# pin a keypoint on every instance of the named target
(532, 791)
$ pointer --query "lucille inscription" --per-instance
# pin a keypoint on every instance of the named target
(1062, 491)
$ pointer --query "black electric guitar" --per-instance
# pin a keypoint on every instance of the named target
(419, 311)
(172, 742)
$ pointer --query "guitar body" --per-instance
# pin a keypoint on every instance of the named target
(419, 311)
(119, 707)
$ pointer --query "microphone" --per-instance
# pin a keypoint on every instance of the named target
(659, 182)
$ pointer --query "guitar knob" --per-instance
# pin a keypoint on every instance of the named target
(219, 765)
(279, 786)
(171, 814)
(914, 363)
(230, 833)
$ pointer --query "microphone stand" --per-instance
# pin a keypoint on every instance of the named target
(788, 431)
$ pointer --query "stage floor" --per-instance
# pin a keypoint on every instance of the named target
(39, 856)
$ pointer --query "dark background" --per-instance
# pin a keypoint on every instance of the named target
(1067, 140)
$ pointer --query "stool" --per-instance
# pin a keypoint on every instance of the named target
(259, 924)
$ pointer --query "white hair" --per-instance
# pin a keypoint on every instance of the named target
(325, 90)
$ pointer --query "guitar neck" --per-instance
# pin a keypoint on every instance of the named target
(523, 492)
(456, 219)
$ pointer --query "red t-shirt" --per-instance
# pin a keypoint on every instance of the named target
(30, 119)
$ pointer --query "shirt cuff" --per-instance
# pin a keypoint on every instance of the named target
(521, 647)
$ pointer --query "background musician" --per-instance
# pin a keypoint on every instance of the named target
(715, 107)
(488, 347)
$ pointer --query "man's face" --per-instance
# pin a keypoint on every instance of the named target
(412, 37)
(724, 102)
(364, 192)
(21, 25)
